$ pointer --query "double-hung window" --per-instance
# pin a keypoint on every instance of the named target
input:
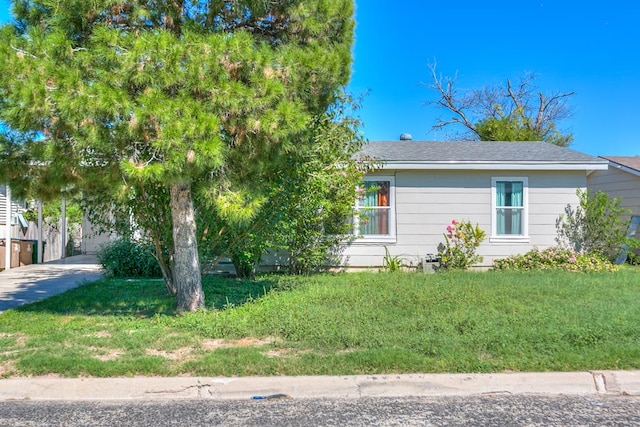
(509, 201)
(375, 219)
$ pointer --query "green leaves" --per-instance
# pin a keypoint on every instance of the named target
(130, 97)
(158, 95)
(595, 226)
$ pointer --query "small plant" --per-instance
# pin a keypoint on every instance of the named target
(390, 262)
(462, 239)
(124, 258)
(556, 258)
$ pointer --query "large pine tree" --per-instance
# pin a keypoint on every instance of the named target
(133, 96)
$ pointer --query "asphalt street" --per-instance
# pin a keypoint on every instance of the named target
(408, 411)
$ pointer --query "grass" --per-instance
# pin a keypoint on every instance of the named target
(333, 324)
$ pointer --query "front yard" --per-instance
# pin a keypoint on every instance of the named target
(361, 323)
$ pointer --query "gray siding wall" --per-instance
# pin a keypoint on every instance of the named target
(427, 201)
(620, 184)
(15, 207)
(91, 239)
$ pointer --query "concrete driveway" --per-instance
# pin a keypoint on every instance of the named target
(30, 283)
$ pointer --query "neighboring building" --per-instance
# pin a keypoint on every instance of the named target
(91, 238)
(620, 180)
(17, 220)
(11, 224)
(515, 191)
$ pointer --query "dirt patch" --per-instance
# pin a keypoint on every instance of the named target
(214, 344)
(286, 353)
(100, 334)
(181, 354)
(347, 351)
(7, 369)
(185, 353)
(106, 356)
(20, 339)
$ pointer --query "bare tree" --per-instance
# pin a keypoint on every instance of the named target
(514, 112)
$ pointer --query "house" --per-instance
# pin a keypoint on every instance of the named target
(92, 238)
(621, 180)
(515, 191)
(45, 239)
(14, 213)
(11, 224)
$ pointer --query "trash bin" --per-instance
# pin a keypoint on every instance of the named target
(34, 251)
(15, 254)
(430, 263)
(26, 252)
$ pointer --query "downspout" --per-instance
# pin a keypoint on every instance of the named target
(7, 241)
(40, 246)
(63, 229)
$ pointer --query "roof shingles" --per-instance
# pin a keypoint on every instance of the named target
(631, 162)
(485, 151)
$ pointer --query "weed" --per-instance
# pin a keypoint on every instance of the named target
(391, 263)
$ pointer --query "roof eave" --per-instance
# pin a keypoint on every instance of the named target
(476, 165)
(624, 168)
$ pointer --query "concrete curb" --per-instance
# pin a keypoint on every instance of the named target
(333, 387)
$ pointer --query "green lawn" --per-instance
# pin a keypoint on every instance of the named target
(333, 324)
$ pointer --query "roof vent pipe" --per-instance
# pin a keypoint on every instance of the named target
(405, 137)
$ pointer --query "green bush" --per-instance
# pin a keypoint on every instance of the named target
(595, 226)
(556, 258)
(124, 258)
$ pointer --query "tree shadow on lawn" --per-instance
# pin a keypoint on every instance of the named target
(143, 298)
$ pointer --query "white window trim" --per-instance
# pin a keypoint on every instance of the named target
(379, 238)
(524, 238)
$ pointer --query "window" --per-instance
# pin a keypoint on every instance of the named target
(509, 208)
(376, 211)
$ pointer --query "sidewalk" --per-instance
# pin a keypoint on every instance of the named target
(23, 285)
(604, 383)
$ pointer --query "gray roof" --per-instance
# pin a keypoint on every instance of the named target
(473, 151)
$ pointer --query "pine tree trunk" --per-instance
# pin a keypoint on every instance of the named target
(186, 273)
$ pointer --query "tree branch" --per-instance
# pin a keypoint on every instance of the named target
(449, 102)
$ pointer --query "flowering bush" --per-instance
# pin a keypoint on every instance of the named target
(556, 258)
(461, 243)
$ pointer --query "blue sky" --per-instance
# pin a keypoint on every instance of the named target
(590, 48)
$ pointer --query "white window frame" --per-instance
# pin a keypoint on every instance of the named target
(378, 238)
(510, 238)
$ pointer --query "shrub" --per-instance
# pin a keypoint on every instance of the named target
(556, 258)
(595, 226)
(461, 243)
(124, 258)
